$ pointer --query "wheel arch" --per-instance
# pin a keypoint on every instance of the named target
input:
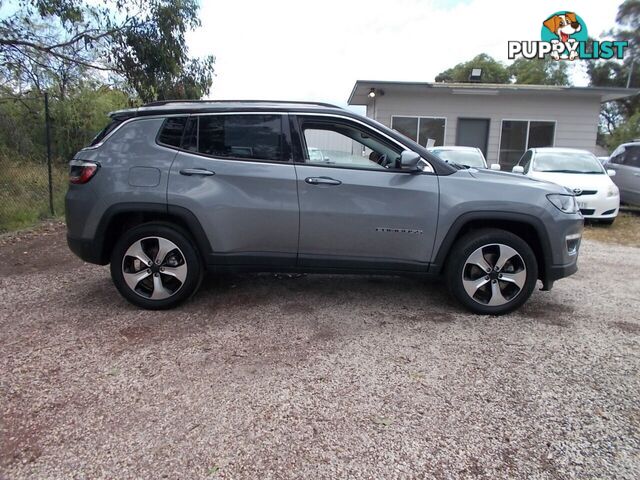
(529, 228)
(122, 216)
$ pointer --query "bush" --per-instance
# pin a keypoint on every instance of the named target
(24, 186)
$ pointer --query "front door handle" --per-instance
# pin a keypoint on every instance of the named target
(322, 181)
(196, 171)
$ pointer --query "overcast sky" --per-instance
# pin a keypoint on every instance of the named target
(316, 50)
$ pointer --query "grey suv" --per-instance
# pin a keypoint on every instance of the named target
(170, 189)
(625, 160)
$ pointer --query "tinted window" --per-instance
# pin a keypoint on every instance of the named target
(427, 131)
(431, 132)
(190, 141)
(171, 132)
(525, 161)
(408, 126)
(113, 124)
(632, 156)
(257, 137)
(520, 135)
(513, 142)
(541, 134)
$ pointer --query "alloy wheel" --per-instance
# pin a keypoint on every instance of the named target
(494, 274)
(154, 267)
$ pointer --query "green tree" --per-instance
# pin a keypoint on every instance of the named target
(539, 72)
(140, 41)
(619, 119)
(153, 56)
(626, 131)
(493, 71)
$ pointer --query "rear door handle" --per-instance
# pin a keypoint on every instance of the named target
(322, 181)
(196, 171)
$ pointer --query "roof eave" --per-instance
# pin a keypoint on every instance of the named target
(606, 94)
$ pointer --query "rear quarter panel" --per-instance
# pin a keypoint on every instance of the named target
(133, 168)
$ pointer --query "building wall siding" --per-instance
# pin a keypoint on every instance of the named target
(576, 117)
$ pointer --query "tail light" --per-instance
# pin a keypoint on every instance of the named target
(81, 171)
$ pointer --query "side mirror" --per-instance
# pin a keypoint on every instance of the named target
(409, 160)
(517, 169)
(495, 166)
(611, 173)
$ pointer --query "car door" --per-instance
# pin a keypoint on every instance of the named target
(357, 208)
(234, 173)
(625, 160)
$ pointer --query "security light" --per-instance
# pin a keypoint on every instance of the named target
(372, 93)
(476, 75)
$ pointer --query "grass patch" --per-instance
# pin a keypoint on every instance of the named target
(24, 192)
(624, 231)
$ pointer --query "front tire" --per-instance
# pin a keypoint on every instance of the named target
(491, 271)
(156, 266)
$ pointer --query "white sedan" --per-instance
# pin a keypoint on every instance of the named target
(579, 171)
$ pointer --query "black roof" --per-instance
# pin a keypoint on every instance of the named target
(164, 107)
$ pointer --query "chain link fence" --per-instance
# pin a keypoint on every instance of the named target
(33, 179)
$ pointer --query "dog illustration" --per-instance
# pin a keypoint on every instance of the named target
(563, 26)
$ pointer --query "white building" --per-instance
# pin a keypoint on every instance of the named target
(503, 120)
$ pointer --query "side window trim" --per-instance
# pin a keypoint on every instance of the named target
(298, 148)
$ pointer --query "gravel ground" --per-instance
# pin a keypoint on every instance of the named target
(314, 377)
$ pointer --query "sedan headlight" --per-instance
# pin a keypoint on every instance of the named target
(564, 203)
(613, 191)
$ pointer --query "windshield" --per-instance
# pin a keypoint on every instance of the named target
(469, 158)
(567, 162)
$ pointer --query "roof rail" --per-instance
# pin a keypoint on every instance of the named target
(159, 103)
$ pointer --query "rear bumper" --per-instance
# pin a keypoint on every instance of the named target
(87, 250)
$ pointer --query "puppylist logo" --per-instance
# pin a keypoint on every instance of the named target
(564, 37)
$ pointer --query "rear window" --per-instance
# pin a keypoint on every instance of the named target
(255, 137)
(171, 131)
(111, 126)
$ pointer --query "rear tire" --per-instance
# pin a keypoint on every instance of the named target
(510, 281)
(156, 266)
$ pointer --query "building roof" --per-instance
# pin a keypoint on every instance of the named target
(361, 89)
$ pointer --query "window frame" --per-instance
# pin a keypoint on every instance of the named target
(184, 129)
(430, 117)
(298, 119)
(526, 147)
(285, 132)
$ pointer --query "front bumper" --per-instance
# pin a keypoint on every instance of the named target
(566, 249)
(599, 205)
